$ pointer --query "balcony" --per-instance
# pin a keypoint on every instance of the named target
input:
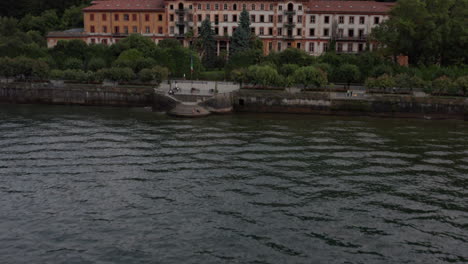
(120, 34)
(288, 37)
(362, 38)
(289, 12)
(181, 23)
(181, 11)
(289, 24)
(180, 36)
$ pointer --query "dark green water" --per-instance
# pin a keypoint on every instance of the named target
(109, 185)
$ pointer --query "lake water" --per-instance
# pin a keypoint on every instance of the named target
(113, 185)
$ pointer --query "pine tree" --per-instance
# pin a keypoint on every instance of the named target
(241, 39)
(207, 43)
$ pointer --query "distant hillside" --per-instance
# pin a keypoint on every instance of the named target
(19, 8)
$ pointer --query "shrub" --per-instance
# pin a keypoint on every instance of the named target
(347, 73)
(56, 75)
(74, 75)
(462, 84)
(405, 81)
(156, 74)
(443, 85)
(288, 69)
(212, 75)
(381, 70)
(309, 76)
(116, 74)
(96, 64)
(383, 82)
(73, 63)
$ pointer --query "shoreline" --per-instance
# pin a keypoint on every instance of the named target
(242, 101)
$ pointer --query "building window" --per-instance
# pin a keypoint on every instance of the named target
(360, 47)
(135, 29)
(234, 18)
(312, 19)
(199, 7)
(341, 20)
(351, 33)
(171, 7)
(104, 17)
(225, 18)
(298, 45)
(299, 19)
(350, 47)
(280, 7)
(104, 29)
(299, 31)
(280, 19)
(147, 29)
(326, 32)
(91, 17)
(325, 46)
(279, 46)
(312, 32)
(262, 31)
(216, 18)
(171, 17)
(351, 20)
(262, 18)
(134, 17)
(216, 6)
(171, 29)
(125, 29)
(299, 7)
(280, 31)
(160, 17)
(208, 17)
(225, 7)
(244, 6)
(340, 32)
(234, 7)
(253, 6)
(270, 31)
(199, 18)
(207, 6)
(116, 17)
(117, 29)
(147, 17)
(160, 30)
(262, 7)
(252, 18)
(339, 47)
(270, 18)
(271, 6)
(361, 33)
(311, 46)
(376, 20)
(216, 30)
(225, 30)
(252, 30)
(93, 29)
(270, 46)
(126, 17)
(326, 20)
(362, 20)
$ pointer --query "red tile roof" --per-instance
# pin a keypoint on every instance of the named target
(126, 5)
(315, 6)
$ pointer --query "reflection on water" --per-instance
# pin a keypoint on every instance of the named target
(86, 185)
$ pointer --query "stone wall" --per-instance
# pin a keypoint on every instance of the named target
(76, 94)
(320, 103)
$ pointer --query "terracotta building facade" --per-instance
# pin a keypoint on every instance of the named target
(308, 24)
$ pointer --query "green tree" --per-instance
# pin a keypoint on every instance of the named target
(347, 73)
(116, 74)
(262, 75)
(207, 44)
(96, 64)
(309, 76)
(428, 31)
(241, 38)
(157, 74)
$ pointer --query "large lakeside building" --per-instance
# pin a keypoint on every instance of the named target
(304, 24)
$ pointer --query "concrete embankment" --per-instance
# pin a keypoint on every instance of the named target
(76, 94)
(372, 105)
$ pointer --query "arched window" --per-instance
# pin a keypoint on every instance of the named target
(181, 6)
(290, 7)
(234, 7)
